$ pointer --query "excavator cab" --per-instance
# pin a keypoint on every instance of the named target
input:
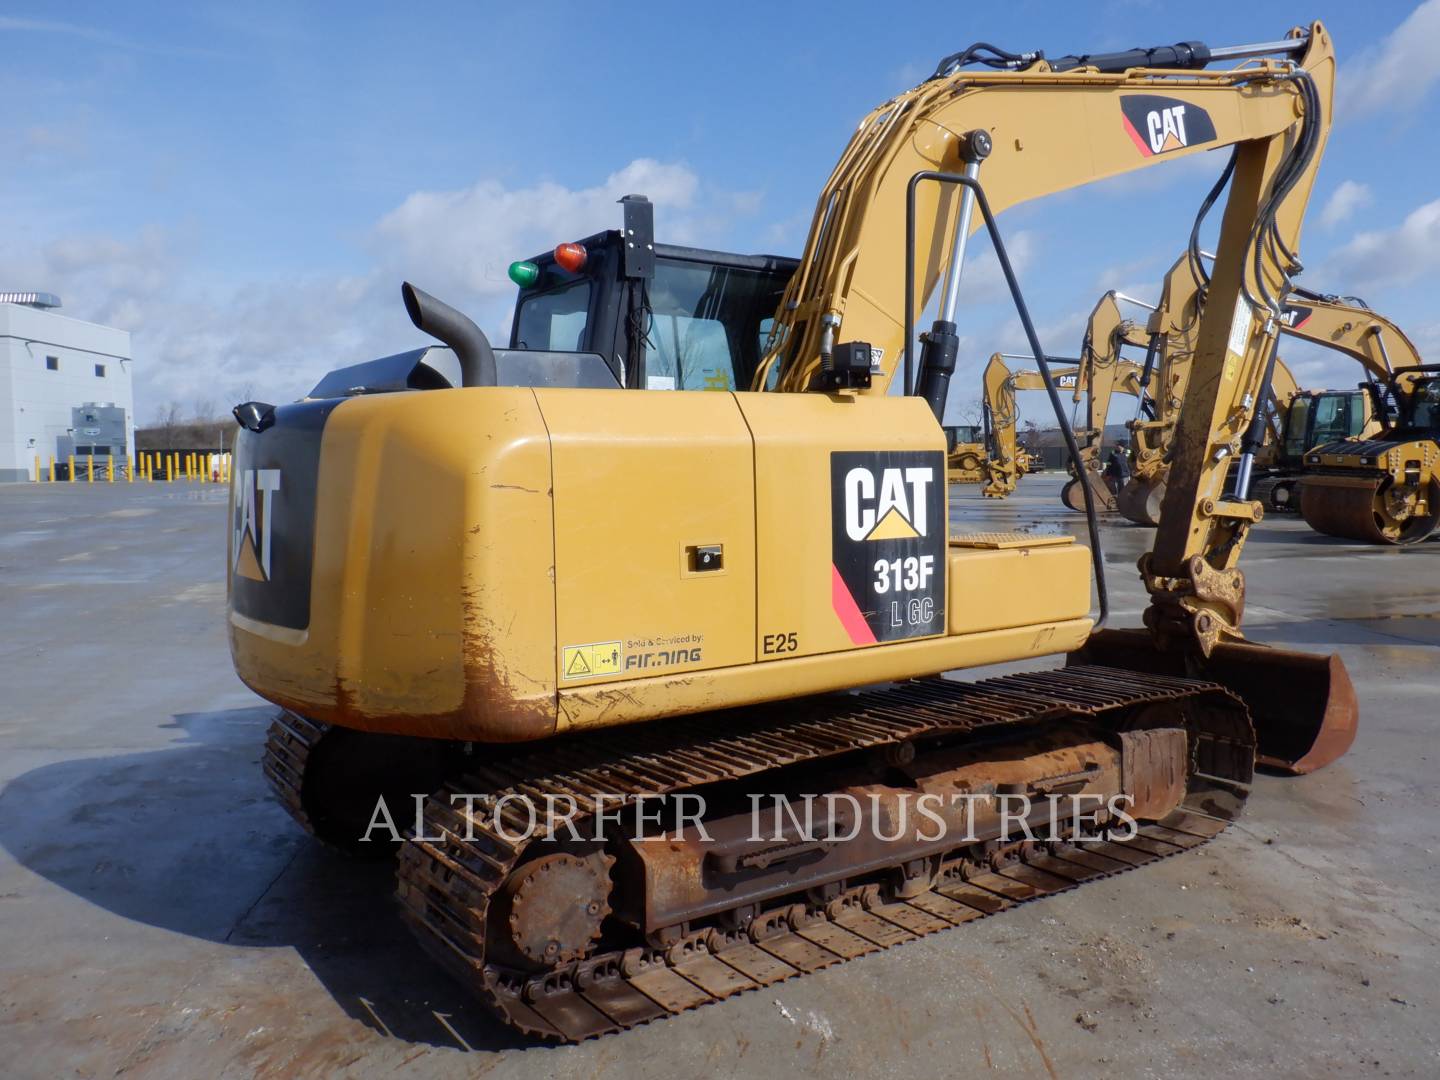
(683, 319)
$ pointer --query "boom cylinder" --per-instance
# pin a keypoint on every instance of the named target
(940, 348)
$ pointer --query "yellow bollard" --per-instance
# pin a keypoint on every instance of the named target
(130, 469)
(110, 469)
(170, 468)
(90, 469)
(72, 468)
(52, 468)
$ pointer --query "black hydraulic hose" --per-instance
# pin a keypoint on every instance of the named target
(1197, 264)
(998, 58)
(1265, 233)
(1152, 350)
(1041, 360)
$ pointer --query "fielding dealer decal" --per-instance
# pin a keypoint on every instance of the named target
(1162, 125)
(887, 512)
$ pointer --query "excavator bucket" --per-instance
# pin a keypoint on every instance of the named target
(1302, 704)
(1073, 495)
(1139, 500)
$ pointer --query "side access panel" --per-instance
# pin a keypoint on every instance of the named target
(850, 515)
(645, 485)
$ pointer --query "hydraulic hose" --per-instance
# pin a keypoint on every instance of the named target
(1042, 364)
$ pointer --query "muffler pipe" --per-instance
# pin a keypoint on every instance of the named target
(445, 323)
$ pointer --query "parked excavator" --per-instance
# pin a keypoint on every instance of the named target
(555, 603)
(999, 465)
(1102, 373)
(998, 461)
(1297, 420)
(1004, 463)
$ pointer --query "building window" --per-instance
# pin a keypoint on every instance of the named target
(99, 371)
(52, 363)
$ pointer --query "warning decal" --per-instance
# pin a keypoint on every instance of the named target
(887, 510)
(584, 661)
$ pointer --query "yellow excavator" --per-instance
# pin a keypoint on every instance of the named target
(599, 627)
(1298, 419)
(1094, 377)
(1103, 373)
(1006, 462)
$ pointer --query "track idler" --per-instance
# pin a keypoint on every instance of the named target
(1303, 705)
(1371, 509)
(1073, 495)
(1139, 500)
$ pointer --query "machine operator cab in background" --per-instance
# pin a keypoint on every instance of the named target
(681, 319)
(1318, 417)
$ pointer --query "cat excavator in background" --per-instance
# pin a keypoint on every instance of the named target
(559, 605)
(1102, 374)
(1005, 461)
(998, 461)
(1297, 420)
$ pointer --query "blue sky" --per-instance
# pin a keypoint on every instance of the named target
(244, 186)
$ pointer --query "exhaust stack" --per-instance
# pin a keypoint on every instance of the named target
(441, 321)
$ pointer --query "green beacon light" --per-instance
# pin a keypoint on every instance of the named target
(524, 274)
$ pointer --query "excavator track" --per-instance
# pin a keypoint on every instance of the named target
(288, 745)
(453, 875)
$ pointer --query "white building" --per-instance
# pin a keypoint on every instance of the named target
(51, 366)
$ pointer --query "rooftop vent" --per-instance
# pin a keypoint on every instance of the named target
(31, 299)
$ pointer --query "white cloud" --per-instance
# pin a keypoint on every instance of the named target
(201, 337)
(1395, 74)
(462, 241)
(1344, 201)
(1389, 256)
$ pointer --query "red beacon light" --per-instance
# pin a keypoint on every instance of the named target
(571, 257)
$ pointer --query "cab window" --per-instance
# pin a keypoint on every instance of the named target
(1296, 423)
(1427, 405)
(554, 320)
(706, 332)
(1335, 418)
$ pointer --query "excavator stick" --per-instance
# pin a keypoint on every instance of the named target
(1303, 705)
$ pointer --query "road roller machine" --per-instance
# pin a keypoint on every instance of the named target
(1384, 489)
(559, 647)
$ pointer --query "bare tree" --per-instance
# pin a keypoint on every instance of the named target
(970, 411)
(168, 422)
